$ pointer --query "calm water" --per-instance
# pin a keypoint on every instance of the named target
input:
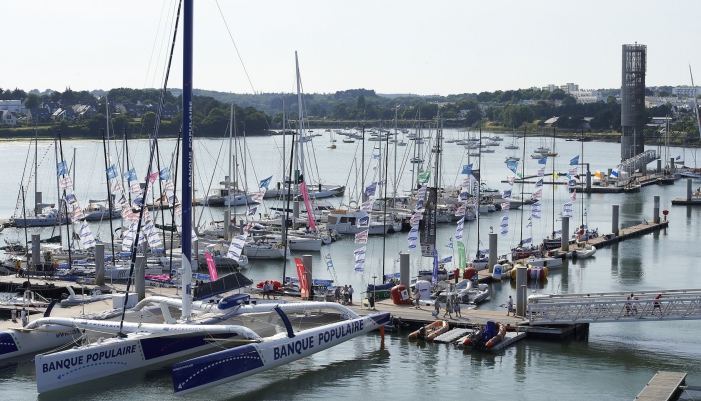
(614, 361)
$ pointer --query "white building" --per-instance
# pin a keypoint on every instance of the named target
(14, 106)
(587, 96)
(7, 118)
(686, 91)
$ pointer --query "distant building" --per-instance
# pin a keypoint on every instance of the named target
(686, 91)
(587, 96)
(14, 106)
(50, 106)
(7, 118)
(63, 114)
(83, 111)
(172, 111)
(550, 88)
(38, 114)
(128, 109)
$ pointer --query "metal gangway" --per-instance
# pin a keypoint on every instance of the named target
(604, 307)
(637, 162)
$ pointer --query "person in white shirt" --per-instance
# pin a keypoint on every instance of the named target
(350, 294)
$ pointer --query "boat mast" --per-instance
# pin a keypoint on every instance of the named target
(299, 155)
(523, 174)
(65, 205)
(553, 178)
(37, 209)
(187, 177)
(479, 190)
(109, 195)
(362, 168)
(230, 177)
(396, 135)
(696, 106)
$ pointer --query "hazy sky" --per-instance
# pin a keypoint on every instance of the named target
(423, 47)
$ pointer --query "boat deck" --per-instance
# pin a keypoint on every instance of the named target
(663, 386)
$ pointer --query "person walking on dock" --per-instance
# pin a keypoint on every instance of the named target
(417, 297)
(437, 309)
(456, 306)
(657, 305)
(510, 306)
(350, 294)
(448, 308)
(337, 294)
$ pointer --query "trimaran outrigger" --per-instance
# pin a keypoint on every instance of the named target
(136, 344)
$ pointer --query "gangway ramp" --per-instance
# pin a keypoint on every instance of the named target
(548, 309)
(637, 162)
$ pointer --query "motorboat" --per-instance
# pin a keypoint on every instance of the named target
(582, 251)
(47, 218)
(98, 210)
(346, 222)
(73, 299)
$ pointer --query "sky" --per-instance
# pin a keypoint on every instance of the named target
(422, 47)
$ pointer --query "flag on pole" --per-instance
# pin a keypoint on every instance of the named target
(329, 262)
(413, 237)
(567, 209)
(614, 174)
(459, 230)
(252, 211)
(573, 196)
(258, 198)
(434, 278)
(423, 177)
(367, 205)
(539, 183)
(510, 180)
(506, 194)
(164, 174)
(461, 210)
(363, 222)
(66, 182)
(543, 160)
(505, 206)
(111, 172)
(461, 256)
(265, 182)
(537, 194)
(130, 175)
(512, 165)
(307, 205)
(153, 177)
(61, 168)
(504, 226)
(117, 187)
(467, 169)
(370, 189)
(449, 245)
(236, 247)
(359, 261)
(574, 161)
(541, 172)
(421, 194)
(362, 237)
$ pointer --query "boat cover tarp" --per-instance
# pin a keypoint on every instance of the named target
(227, 283)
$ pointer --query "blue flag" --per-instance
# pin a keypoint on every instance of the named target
(370, 190)
(467, 169)
(164, 174)
(678, 158)
(264, 183)
(130, 175)
(574, 161)
(543, 160)
(434, 279)
(61, 168)
(450, 245)
(111, 172)
(512, 166)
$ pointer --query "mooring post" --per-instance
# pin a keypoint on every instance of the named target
(139, 278)
(614, 220)
(565, 242)
(521, 278)
(227, 222)
(688, 189)
(36, 250)
(492, 251)
(656, 210)
(659, 166)
(100, 264)
(404, 277)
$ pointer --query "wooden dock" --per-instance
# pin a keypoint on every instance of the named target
(694, 201)
(626, 233)
(664, 386)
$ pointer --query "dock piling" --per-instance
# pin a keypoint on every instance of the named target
(659, 166)
(307, 261)
(614, 220)
(565, 239)
(492, 251)
(688, 189)
(227, 222)
(139, 279)
(521, 283)
(100, 264)
(404, 276)
(656, 210)
(36, 250)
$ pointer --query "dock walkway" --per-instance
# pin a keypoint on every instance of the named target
(664, 386)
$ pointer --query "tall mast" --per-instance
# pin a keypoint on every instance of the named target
(696, 106)
(300, 116)
(553, 178)
(187, 177)
(37, 209)
(109, 194)
(230, 178)
(396, 135)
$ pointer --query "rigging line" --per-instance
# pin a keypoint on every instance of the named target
(164, 43)
(155, 40)
(235, 47)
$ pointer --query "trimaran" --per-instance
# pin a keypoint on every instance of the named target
(136, 344)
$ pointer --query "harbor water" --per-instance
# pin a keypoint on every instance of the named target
(610, 362)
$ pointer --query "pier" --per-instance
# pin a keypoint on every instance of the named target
(664, 386)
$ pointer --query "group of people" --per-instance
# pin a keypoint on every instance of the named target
(344, 295)
(23, 316)
(268, 288)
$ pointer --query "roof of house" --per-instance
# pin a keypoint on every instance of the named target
(551, 120)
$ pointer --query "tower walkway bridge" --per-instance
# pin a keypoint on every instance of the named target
(549, 309)
(637, 162)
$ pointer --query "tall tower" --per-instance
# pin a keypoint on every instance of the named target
(633, 100)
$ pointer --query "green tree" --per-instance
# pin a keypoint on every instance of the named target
(360, 102)
(32, 101)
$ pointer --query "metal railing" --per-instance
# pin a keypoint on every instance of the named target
(614, 307)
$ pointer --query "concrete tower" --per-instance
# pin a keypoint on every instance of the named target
(633, 100)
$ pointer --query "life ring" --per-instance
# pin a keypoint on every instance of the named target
(353, 204)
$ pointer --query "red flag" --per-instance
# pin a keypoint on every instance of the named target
(310, 211)
(303, 285)
(213, 275)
